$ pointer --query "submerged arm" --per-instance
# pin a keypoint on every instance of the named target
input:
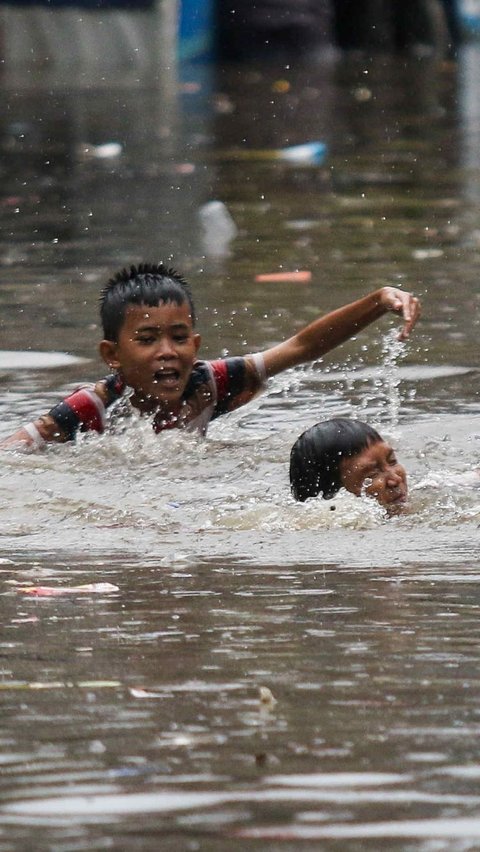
(83, 410)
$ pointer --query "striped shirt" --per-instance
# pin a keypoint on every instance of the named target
(213, 389)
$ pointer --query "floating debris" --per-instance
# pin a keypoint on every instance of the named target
(267, 699)
(107, 151)
(217, 228)
(59, 684)
(281, 87)
(297, 276)
(55, 591)
(142, 693)
(426, 254)
(308, 154)
(30, 619)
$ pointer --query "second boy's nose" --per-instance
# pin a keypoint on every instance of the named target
(393, 476)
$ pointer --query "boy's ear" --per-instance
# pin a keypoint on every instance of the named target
(108, 351)
(197, 339)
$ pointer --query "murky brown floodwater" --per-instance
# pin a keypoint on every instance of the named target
(131, 718)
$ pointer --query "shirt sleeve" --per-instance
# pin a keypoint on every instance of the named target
(85, 408)
(237, 381)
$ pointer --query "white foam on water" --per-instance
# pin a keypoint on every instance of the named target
(30, 360)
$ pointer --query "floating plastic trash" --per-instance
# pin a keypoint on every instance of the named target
(297, 276)
(107, 151)
(308, 154)
(217, 228)
(142, 693)
(59, 684)
(267, 699)
(55, 591)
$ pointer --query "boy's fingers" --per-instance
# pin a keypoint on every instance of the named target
(409, 306)
(411, 312)
(414, 309)
(405, 332)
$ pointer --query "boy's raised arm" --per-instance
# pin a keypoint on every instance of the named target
(334, 328)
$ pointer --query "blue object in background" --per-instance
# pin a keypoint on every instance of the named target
(469, 12)
(195, 25)
(196, 29)
(313, 153)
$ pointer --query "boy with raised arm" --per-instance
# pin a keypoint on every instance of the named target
(151, 346)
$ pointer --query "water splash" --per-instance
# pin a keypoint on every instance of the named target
(393, 351)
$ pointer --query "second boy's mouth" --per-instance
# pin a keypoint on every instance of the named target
(398, 498)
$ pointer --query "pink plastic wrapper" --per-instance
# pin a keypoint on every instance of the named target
(54, 591)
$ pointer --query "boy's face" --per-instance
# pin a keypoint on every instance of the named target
(155, 353)
(377, 472)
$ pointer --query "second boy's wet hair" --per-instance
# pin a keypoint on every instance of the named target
(147, 284)
(316, 455)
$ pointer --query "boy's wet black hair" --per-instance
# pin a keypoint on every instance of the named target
(146, 284)
(316, 455)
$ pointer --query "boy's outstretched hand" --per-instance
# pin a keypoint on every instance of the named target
(402, 303)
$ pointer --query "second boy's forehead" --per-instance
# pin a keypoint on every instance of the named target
(371, 456)
(165, 315)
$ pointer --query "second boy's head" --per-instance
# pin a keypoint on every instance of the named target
(148, 320)
(345, 453)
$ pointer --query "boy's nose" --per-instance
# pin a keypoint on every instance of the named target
(393, 476)
(165, 349)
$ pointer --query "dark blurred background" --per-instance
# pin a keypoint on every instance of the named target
(244, 28)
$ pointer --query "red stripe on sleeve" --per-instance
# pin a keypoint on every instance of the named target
(220, 374)
(82, 404)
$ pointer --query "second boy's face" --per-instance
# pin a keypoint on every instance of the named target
(376, 472)
(155, 353)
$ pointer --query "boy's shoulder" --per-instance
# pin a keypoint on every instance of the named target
(223, 384)
(228, 375)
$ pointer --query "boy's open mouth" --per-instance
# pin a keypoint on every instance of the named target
(398, 498)
(166, 376)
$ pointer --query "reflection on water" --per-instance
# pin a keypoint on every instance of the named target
(133, 718)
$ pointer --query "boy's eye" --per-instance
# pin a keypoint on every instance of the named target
(180, 338)
(371, 474)
(145, 339)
